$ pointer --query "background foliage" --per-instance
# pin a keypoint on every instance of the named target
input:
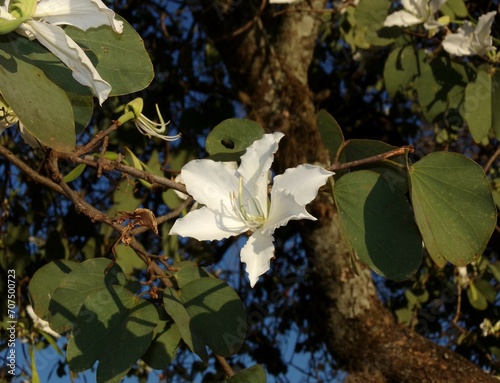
(388, 85)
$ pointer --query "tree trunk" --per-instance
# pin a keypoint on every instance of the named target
(267, 59)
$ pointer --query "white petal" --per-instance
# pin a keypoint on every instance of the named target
(257, 254)
(302, 182)
(204, 224)
(30, 139)
(402, 19)
(255, 164)
(412, 6)
(211, 183)
(283, 208)
(82, 14)
(457, 44)
(483, 28)
(56, 41)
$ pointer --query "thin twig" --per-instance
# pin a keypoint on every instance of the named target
(491, 160)
(373, 159)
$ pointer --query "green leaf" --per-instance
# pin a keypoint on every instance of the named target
(377, 223)
(74, 173)
(370, 15)
(436, 79)
(254, 374)
(330, 132)
(454, 8)
(164, 346)
(495, 101)
(41, 105)
(453, 207)
(120, 59)
(127, 259)
(188, 271)
(175, 308)
(45, 281)
(476, 298)
(82, 281)
(229, 140)
(113, 327)
(478, 106)
(400, 68)
(216, 313)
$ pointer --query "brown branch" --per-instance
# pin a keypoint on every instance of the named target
(491, 160)
(373, 159)
(225, 366)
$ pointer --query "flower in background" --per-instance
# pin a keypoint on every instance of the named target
(41, 19)
(236, 201)
(470, 40)
(415, 12)
(133, 111)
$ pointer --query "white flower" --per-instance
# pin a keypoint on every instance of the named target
(236, 201)
(41, 19)
(470, 40)
(415, 12)
(133, 111)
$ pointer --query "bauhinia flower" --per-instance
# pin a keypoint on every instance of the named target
(470, 40)
(133, 111)
(236, 201)
(41, 19)
(415, 12)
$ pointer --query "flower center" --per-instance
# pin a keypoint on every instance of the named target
(249, 209)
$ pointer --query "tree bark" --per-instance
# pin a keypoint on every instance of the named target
(267, 59)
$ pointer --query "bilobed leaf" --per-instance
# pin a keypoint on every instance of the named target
(229, 140)
(216, 313)
(41, 105)
(120, 59)
(113, 327)
(377, 223)
(453, 207)
(45, 281)
(82, 281)
(478, 106)
(330, 132)
(254, 374)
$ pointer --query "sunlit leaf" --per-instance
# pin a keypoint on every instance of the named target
(330, 132)
(453, 207)
(120, 59)
(229, 140)
(478, 106)
(41, 105)
(254, 374)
